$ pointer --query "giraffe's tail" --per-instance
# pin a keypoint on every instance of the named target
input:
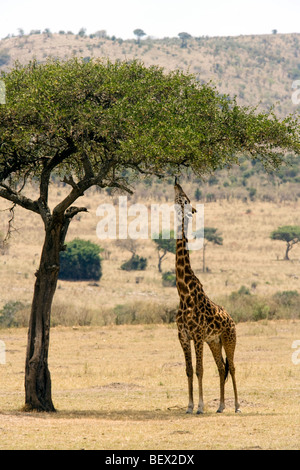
(226, 369)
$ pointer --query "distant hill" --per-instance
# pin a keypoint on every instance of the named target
(257, 69)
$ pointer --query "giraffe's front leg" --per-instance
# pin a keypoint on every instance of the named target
(189, 373)
(199, 372)
(186, 346)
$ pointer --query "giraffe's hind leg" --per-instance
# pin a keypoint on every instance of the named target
(229, 342)
(216, 349)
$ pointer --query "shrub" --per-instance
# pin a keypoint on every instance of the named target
(135, 263)
(286, 304)
(198, 194)
(4, 57)
(243, 290)
(287, 297)
(8, 315)
(144, 313)
(169, 279)
(80, 261)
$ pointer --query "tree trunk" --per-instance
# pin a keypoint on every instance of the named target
(159, 263)
(160, 258)
(288, 247)
(37, 375)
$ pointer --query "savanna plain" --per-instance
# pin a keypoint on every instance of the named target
(123, 386)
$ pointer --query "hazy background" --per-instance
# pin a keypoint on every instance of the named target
(158, 18)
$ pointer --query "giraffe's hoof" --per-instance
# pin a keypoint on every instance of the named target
(238, 410)
(189, 411)
(200, 412)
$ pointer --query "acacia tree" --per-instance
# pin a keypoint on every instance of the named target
(102, 123)
(165, 243)
(139, 33)
(184, 37)
(289, 234)
(212, 235)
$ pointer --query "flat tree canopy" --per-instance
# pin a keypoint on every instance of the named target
(103, 123)
(288, 233)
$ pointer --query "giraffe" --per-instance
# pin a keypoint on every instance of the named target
(198, 318)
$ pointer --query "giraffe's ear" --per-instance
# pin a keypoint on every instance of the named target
(194, 210)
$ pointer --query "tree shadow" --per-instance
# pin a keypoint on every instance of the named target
(139, 415)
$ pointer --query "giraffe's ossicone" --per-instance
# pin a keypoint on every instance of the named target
(198, 318)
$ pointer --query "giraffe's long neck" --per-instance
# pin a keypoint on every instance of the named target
(183, 263)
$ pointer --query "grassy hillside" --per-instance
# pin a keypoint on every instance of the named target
(257, 69)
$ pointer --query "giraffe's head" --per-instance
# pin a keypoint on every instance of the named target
(183, 201)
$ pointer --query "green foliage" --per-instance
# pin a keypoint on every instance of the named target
(4, 57)
(8, 314)
(139, 33)
(82, 32)
(198, 194)
(211, 235)
(116, 112)
(168, 279)
(288, 233)
(252, 193)
(243, 290)
(244, 306)
(287, 297)
(184, 37)
(165, 241)
(80, 261)
(135, 263)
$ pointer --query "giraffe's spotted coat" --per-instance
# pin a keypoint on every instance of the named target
(199, 319)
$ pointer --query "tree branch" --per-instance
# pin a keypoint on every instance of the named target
(77, 191)
(121, 186)
(7, 193)
(88, 169)
(72, 211)
(79, 188)
(69, 180)
(10, 224)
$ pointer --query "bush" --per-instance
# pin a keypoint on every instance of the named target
(169, 279)
(8, 315)
(244, 306)
(243, 290)
(80, 261)
(144, 313)
(4, 57)
(286, 304)
(287, 297)
(135, 263)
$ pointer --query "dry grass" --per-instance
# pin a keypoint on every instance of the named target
(124, 387)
